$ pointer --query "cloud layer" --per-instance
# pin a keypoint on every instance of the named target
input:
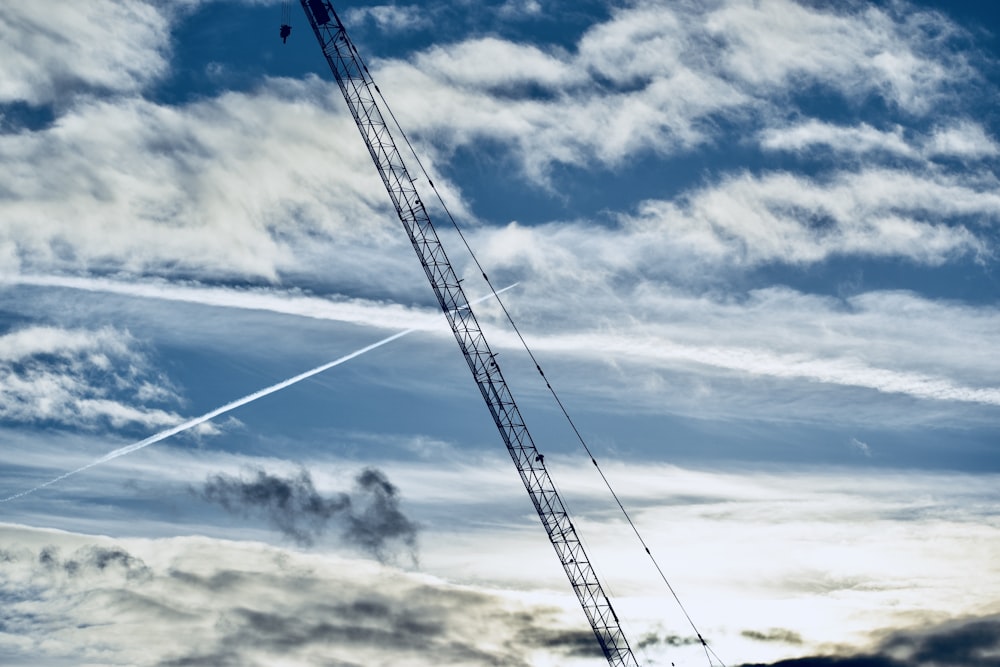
(80, 598)
(656, 78)
(242, 185)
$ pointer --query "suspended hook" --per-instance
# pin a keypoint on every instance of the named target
(286, 21)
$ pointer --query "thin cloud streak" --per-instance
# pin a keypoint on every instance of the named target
(837, 370)
(354, 311)
(764, 363)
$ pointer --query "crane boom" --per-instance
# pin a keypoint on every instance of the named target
(357, 86)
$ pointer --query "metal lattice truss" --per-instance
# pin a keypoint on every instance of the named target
(359, 90)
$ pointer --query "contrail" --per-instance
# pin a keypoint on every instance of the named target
(191, 423)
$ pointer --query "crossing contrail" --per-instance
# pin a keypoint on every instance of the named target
(191, 423)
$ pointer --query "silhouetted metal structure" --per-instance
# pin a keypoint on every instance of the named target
(360, 93)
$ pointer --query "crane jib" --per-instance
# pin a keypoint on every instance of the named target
(357, 87)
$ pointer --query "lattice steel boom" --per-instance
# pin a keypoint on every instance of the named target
(359, 91)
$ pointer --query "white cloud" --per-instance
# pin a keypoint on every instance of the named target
(894, 52)
(861, 446)
(745, 221)
(655, 78)
(762, 363)
(392, 18)
(786, 218)
(74, 378)
(228, 186)
(858, 139)
(964, 140)
(450, 94)
(663, 347)
(490, 62)
(57, 48)
(516, 9)
(244, 185)
(379, 314)
(639, 43)
(263, 185)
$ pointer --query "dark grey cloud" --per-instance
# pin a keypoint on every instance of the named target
(89, 559)
(970, 642)
(369, 518)
(375, 518)
(291, 505)
(774, 635)
(574, 643)
(652, 639)
(967, 642)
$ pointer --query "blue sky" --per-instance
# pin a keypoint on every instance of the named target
(755, 248)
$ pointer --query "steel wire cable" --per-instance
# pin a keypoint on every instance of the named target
(709, 652)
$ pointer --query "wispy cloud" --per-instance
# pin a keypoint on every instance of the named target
(963, 139)
(788, 218)
(859, 139)
(287, 302)
(631, 86)
(657, 295)
(132, 185)
(655, 78)
(861, 446)
(391, 18)
(35, 41)
(514, 9)
(80, 378)
(838, 371)
(856, 50)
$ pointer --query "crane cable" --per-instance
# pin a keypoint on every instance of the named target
(709, 653)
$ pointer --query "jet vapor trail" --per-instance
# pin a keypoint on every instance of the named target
(191, 423)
